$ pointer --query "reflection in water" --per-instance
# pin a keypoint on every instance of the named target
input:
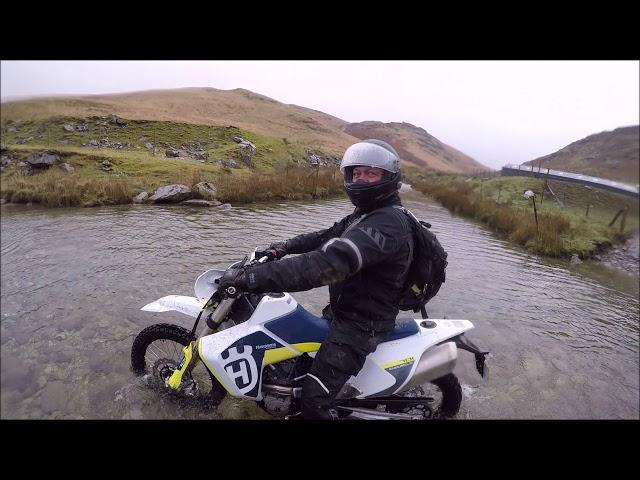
(564, 339)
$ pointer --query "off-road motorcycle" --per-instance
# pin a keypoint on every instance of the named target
(259, 347)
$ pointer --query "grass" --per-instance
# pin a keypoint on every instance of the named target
(135, 172)
(561, 232)
(215, 140)
(279, 170)
(290, 184)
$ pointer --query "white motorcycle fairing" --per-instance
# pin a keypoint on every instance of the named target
(279, 329)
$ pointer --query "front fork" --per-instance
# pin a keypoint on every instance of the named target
(191, 354)
(189, 361)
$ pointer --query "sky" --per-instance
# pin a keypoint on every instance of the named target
(497, 112)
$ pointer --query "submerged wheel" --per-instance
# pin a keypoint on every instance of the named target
(445, 392)
(451, 395)
(157, 352)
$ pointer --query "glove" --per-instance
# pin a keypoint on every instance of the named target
(233, 277)
(275, 251)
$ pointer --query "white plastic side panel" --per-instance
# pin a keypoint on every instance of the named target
(272, 307)
(407, 350)
(188, 305)
(372, 378)
(212, 346)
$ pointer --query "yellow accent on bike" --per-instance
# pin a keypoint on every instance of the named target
(307, 347)
(276, 355)
(396, 363)
(175, 379)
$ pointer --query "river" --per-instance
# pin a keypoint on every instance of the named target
(563, 338)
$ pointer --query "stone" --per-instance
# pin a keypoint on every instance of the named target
(171, 194)
(42, 159)
(205, 190)
(141, 197)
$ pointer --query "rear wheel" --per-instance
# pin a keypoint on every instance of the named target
(156, 353)
(446, 395)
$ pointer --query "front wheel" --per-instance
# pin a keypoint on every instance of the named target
(156, 353)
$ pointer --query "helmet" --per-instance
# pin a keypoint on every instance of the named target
(371, 153)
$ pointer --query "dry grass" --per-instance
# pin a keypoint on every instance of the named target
(292, 183)
(559, 233)
(55, 188)
(89, 186)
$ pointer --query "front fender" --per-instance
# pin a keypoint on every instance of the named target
(190, 306)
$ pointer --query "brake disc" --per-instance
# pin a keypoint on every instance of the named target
(163, 368)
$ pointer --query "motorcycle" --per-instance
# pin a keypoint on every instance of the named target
(260, 347)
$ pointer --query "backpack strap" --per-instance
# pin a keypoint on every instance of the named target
(407, 212)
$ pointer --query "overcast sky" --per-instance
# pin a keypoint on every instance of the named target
(498, 112)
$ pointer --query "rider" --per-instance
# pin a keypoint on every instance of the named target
(364, 258)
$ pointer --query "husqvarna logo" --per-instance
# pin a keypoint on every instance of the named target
(241, 367)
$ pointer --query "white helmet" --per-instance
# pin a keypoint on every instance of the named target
(371, 153)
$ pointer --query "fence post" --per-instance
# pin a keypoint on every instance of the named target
(588, 206)
(615, 218)
(535, 213)
(623, 220)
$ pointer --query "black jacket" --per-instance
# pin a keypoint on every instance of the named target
(364, 258)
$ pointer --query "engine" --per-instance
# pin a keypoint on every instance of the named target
(277, 385)
(276, 404)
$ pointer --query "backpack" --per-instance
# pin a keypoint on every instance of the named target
(427, 270)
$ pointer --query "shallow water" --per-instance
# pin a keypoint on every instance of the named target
(564, 338)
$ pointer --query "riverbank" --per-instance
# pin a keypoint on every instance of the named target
(624, 257)
(80, 178)
(108, 160)
(572, 222)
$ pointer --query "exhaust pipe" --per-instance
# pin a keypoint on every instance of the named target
(369, 414)
(435, 363)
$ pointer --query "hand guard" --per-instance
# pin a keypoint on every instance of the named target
(233, 277)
